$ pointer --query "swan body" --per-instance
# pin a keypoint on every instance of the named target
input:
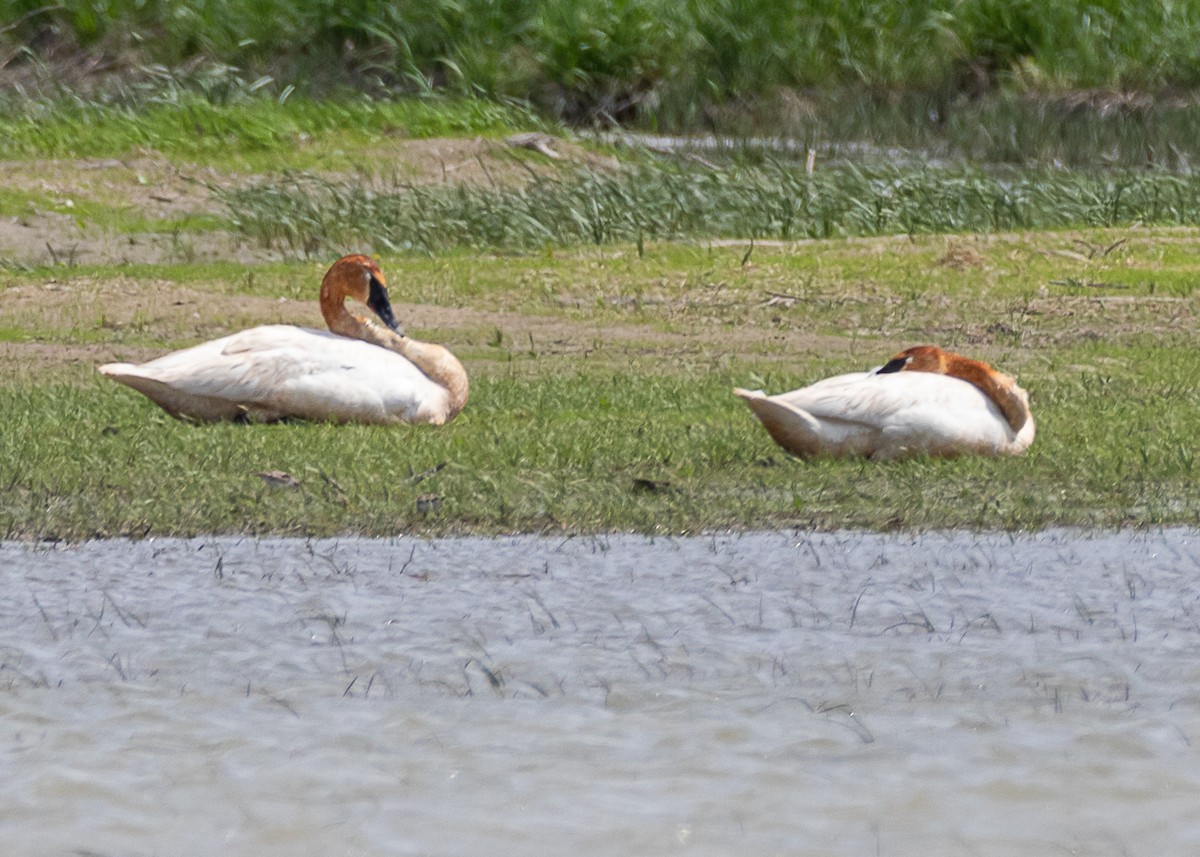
(358, 372)
(925, 401)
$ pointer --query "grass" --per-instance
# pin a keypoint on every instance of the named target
(600, 393)
(658, 201)
(220, 116)
(595, 451)
(257, 127)
(1095, 130)
(655, 59)
(248, 132)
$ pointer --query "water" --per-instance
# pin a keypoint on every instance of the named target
(788, 148)
(758, 694)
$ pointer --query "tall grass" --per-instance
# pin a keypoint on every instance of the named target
(649, 58)
(658, 202)
(212, 113)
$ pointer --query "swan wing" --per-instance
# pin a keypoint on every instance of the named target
(885, 416)
(280, 371)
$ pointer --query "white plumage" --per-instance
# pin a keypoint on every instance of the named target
(896, 415)
(279, 372)
(363, 373)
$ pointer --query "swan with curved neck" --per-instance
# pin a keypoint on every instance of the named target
(357, 372)
(924, 401)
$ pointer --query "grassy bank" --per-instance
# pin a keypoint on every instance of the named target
(649, 59)
(311, 176)
(250, 131)
(600, 396)
(260, 125)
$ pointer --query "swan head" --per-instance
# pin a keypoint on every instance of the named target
(919, 358)
(1002, 389)
(359, 277)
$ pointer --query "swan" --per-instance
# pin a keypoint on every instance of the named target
(357, 372)
(924, 401)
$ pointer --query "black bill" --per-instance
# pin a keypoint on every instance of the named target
(893, 365)
(380, 304)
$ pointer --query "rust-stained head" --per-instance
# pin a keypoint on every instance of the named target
(360, 278)
(1000, 388)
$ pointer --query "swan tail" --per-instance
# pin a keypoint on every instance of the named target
(179, 404)
(791, 428)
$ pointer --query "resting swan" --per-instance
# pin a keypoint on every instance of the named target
(924, 401)
(358, 372)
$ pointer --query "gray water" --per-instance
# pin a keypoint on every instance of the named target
(758, 694)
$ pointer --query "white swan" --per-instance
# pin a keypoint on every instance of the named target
(359, 372)
(924, 401)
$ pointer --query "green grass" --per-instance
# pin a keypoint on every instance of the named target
(652, 58)
(233, 122)
(597, 451)
(248, 132)
(613, 412)
(603, 325)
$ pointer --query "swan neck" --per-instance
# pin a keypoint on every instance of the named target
(437, 364)
(338, 319)
(1000, 388)
(434, 361)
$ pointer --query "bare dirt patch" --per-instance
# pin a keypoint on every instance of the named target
(153, 186)
(87, 321)
(42, 239)
(960, 257)
(483, 162)
(53, 225)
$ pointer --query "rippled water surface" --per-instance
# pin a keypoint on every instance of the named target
(756, 694)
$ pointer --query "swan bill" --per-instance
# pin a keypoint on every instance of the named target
(380, 304)
(896, 364)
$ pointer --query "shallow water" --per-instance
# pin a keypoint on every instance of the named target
(757, 694)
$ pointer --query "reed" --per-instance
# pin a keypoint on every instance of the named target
(666, 201)
(209, 114)
(637, 58)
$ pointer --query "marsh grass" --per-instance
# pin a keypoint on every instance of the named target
(604, 314)
(641, 58)
(227, 120)
(666, 201)
(248, 81)
(1093, 130)
(251, 129)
